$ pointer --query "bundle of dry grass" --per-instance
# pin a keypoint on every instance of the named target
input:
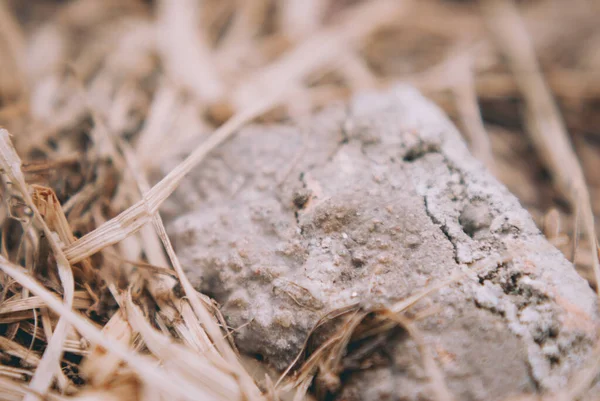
(96, 95)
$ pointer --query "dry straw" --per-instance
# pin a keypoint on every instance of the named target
(101, 94)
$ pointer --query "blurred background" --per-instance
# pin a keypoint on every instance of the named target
(156, 78)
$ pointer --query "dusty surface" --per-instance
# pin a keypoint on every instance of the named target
(369, 203)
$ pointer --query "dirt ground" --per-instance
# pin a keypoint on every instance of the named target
(102, 101)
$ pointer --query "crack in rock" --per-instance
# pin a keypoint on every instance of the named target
(443, 229)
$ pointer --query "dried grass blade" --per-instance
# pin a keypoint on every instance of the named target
(61, 379)
(15, 373)
(99, 366)
(81, 300)
(12, 41)
(300, 17)
(545, 126)
(17, 350)
(214, 383)
(147, 369)
(438, 383)
(468, 107)
(321, 49)
(184, 49)
(50, 363)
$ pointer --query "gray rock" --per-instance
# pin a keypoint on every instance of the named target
(370, 203)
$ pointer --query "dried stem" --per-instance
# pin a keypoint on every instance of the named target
(545, 125)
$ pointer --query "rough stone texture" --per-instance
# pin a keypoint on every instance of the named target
(371, 202)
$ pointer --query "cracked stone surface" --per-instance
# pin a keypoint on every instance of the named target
(371, 202)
